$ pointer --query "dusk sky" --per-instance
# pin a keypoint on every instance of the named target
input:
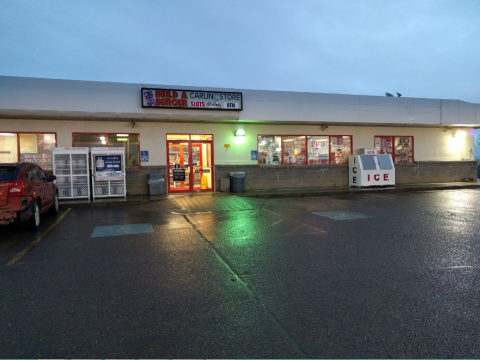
(427, 49)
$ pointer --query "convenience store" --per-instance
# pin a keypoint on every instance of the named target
(280, 139)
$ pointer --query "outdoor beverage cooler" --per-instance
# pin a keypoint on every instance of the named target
(70, 166)
(370, 170)
(108, 172)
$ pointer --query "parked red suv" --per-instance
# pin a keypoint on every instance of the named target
(25, 193)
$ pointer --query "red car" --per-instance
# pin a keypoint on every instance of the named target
(25, 193)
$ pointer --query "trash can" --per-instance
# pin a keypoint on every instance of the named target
(237, 181)
(155, 184)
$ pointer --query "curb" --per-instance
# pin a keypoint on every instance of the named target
(107, 203)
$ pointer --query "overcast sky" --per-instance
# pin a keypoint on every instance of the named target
(427, 48)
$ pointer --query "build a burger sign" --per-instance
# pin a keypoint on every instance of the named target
(191, 99)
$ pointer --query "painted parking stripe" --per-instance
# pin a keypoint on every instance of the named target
(126, 229)
(32, 244)
(341, 215)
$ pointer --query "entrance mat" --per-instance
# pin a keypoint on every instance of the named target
(127, 229)
(341, 215)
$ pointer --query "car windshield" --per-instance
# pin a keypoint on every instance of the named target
(7, 173)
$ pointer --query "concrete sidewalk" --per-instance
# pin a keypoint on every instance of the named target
(280, 193)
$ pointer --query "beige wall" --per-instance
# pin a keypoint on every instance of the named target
(431, 144)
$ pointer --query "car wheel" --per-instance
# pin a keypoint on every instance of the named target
(34, 221)
(56, 206)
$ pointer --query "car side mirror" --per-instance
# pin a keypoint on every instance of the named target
(51, 177)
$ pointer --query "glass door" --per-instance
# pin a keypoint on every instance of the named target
(202, 166)
(190, 163)
(178, 159)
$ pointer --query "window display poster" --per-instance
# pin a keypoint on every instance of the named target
(403, 149)
(253, 155)
(294, 151)
(108, 167)
(178, 174)
(384, 145)
(269, 150)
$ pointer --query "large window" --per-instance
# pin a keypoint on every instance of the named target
(131, 143)
(400, 147)
(303, 149)
(28, 147)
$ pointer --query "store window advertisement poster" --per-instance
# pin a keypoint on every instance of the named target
(108, 167)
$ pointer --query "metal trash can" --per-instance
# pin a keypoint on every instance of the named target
(237, 181)
(155, 184)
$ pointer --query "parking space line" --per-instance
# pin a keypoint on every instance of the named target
(32, 244)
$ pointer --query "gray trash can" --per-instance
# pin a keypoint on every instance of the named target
(155, 184)
(237, 181)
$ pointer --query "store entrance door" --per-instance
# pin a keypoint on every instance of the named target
(195, 157)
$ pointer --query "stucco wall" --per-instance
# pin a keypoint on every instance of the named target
(430, 144)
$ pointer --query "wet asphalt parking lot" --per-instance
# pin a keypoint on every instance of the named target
(361, 276)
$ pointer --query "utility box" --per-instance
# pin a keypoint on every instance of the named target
(370, 170)
(155, 184)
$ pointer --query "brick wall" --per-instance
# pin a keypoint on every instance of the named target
(435, 171)
(288, 177)
(259, 177)
(137, 179)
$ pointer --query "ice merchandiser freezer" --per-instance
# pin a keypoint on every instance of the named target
(370, 170)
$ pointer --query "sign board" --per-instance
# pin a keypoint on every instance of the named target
(226, 146)
(253, 155)
(178, 174)
(202, 171)
(144, 156)
(108, 167)
(191, 99)
(369, 151)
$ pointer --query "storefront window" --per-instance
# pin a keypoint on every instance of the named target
(384, 144)
(340, 148)
(178, 137)
(294, 150)
(304, 150)
(131, 143)
(403, 149)
(89, 140)
(37, 148)
(201, 137)
(400, 147)
(34, 147)
(269, 150)
(8, 148)
(318, 150)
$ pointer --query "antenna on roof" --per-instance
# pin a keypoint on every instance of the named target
(388, 94)
(398, 94)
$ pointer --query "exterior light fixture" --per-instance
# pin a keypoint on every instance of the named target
(240, 133)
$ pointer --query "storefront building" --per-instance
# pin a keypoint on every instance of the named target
(280, 139)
